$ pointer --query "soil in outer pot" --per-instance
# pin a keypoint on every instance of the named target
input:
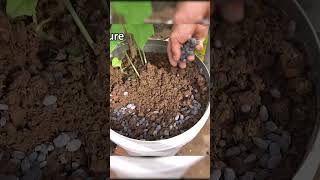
(263, 103)
(52, 87)
(163, 103)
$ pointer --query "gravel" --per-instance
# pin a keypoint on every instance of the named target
(275, 93)
(264, 160)
(61, 140)
(217, 43)
(274, 149)
(33, 156)
(4, 107)
(216, 174)
(233, 151)
(248, 176)
(131, 106)
(262, 144)
(229, 174)
(245, 108)
(250, 158)
(41, 157)
(80, 173)
(18, 155)
(274, 161)
(33, 173)
(25, 165)
(271, 126)
(8, 177)
(273, 137)
(263, 114)
(73, 145)
(49, 100)
(3, 121)
(285, 141)
(125, 93)
(43, 164)
(75, 165)
(262, 175)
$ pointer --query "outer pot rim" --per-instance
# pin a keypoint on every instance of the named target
(165, 141)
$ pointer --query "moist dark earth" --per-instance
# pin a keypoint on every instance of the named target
(165, 101)
(54, 122)
(263, 105)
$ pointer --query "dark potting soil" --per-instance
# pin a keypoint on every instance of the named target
(263, 105)
(51, 86)
(163, 103)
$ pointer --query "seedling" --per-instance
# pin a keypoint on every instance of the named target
(137, 33)
(16, 8)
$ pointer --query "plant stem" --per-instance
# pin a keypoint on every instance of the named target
(77, 20)
(141, 57)
(144, 56)
(134, 68)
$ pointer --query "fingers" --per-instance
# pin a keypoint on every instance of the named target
(171, 60)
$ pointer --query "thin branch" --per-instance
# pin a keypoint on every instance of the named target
(77, 20)
(134, 68)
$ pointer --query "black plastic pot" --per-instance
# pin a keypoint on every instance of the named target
(306, 36)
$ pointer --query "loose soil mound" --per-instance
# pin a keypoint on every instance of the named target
(163, 103)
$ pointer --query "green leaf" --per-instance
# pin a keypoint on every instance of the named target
(140, 32)
(17, 8)
(134, 12)
(115, 28)
(116, 62)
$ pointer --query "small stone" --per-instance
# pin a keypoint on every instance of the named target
(274, 149)
(273, 137)
(233, 151)
(170, 127)
(61, 140)
(73, 145)
(80, 173)
(62, 55)
(275, 93)
(41, 157)
(63, 159)
(181, 117)
(292, 26)
(263, 114)
(216, 174)
(49, 100)
(125, 93)
(250, 159)
(245, 108)
(4, 107)
(50, 147)
(75, 165)
(262, 144)
(285, 141)
(243, 148)
(177, 117)
(271, 126)
(222, 143)
(18, 155)
(262, 175)
(264, 160)
(229, 174)
(43, 164)
(248, 176)
(33, 156)
(217, 43)
(131, 106)
(25, 164)
(274, 161)
(8, 177)
(166, 132)
(33, 173)
(3, 121)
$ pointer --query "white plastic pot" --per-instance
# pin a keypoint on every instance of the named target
(165, 147)
(173, 167)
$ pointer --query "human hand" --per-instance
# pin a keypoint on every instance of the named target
(180, 34)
